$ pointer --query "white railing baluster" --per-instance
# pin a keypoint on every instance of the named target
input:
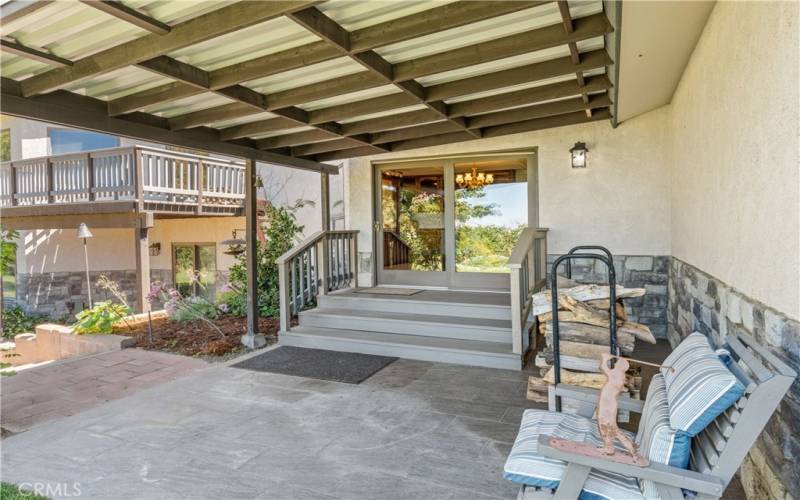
(522, 263)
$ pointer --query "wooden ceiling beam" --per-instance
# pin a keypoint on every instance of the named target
(529, 96)
(219, 22)
(324, 27)
(13, 47)
(73, 110)
(545, 123)
(130, 15)
(253, 129)
(389, 122)
(17, 9)
(538, 111)
(295, 139)
(414, 132)
(325, 146)
(362, 107)
(513, 45)
(431, 21)
(211, 115)
(515, 76)
(566, 19)
(155, 95)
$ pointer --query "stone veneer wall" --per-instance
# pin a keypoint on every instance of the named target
(58, 295)
(700, 302)
(635, 271)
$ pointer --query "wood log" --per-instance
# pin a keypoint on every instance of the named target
(537, 390)
(572, 362)
(581, 350)
(588, 334)
(641, 332)
(582, 293)
(591, 380)
(602, 304)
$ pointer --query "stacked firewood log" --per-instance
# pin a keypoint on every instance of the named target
(584, 319)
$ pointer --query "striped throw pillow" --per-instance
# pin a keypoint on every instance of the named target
(656, 439)
(700, 387)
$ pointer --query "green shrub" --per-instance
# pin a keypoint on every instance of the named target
(16, 320)
(100, 319)
(280, 230)
(195, 307)
(12, 492)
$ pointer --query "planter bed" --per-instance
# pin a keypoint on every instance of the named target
(197, 338)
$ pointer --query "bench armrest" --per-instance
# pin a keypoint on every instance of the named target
(659, 473)
(589, 395)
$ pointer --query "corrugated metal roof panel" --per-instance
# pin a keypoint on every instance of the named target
(265, 38)
(384, 113)
(351, 97)
(187, 105)
(283, 132)
(356, 14)
(489, 29)
(244, 119)
(118, 83)
(306, 75)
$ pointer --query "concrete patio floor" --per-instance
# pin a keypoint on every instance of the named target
(414, 430)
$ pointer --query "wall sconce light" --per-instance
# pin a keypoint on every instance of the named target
(155, 249)
(578, 154)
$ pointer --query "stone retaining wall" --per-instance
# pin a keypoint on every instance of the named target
(634, 271)
(700, 302)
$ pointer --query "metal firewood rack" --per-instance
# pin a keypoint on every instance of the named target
(581, 252)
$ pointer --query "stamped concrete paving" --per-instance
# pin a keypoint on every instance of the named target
(49, 392)
(414, 430)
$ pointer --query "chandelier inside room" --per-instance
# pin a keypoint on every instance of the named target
(474, 179)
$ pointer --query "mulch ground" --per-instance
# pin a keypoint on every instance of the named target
(197, 338)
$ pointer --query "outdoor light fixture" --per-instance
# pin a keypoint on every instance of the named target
(578, 153)
(83, 232)
(155, 249)
(235, 245)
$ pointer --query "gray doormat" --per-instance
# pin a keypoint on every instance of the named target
(388, 291)
(347, 367)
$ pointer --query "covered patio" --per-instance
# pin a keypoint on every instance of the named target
(689, 172)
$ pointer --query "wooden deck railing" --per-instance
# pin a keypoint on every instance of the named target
(528, 265)
(396, 252)
(325, 262)
(161, 180)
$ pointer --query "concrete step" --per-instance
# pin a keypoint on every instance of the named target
(436, 349)
(410, 305)
(429, 325)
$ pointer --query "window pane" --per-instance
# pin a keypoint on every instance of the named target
(490, 213)
(184, 269)
(64, 141)
(208, 271)
(412, 206)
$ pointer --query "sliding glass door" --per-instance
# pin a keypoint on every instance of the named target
(452, 223)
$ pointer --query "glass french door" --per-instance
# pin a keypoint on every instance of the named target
(451, 223)
(194, 269)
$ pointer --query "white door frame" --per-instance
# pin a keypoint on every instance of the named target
(448, 278)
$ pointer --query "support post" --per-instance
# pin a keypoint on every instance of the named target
(325, 200)
(90, 175)
(142, 243)
(252, 339)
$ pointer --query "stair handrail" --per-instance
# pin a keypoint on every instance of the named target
(324, 262)
(528, 274)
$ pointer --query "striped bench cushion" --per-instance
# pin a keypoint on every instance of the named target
(656, 439)
(700, 388)
(526, 466)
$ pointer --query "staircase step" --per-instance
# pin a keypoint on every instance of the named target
(436, 349)
(481, 329)
(415, 304)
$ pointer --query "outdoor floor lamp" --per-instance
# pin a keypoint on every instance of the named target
(83, 232)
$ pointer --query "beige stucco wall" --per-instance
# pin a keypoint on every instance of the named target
(736, 169)
(113, 249)
(620, 201)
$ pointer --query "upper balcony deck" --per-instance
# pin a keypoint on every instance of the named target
(137, 178)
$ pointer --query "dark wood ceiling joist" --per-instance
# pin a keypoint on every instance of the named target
(129, 15)
(34, 54)
(219, 22)
(73, 110)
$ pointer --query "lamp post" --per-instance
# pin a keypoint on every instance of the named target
(83, 232)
